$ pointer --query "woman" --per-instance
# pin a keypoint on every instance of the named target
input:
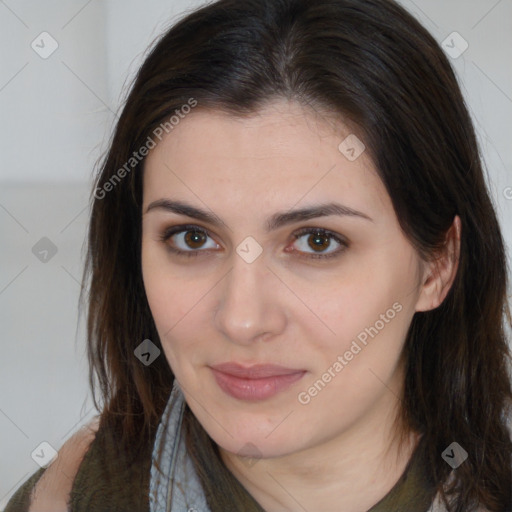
(297, 279)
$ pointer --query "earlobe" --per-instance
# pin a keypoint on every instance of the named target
(440, 273)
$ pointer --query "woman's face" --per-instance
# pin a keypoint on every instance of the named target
(255, 284)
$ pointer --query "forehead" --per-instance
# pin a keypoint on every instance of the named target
(282, 154)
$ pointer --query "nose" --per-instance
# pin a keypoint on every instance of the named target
(250, 306)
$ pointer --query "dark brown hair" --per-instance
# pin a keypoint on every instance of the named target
(371, 64)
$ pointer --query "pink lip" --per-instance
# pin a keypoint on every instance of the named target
(257, 382)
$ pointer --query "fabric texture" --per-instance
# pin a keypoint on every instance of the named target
(107, 482)
(175, 486)
(174, 483)
(20, 500)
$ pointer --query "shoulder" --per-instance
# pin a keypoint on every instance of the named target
(53, 489)
(114, 474)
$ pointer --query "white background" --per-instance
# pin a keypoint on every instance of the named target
(56, 115)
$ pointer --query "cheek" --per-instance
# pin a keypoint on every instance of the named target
(158, 293)
(369, 304)
(169, 310)
(350, 366)
(169, 295)
(177, 308)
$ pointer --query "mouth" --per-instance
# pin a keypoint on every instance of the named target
(257, 382)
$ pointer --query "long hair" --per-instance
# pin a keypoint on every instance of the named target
(371, 64)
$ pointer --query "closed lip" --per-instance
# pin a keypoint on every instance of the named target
(256, 371)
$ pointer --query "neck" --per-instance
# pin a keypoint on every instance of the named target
(350, 472)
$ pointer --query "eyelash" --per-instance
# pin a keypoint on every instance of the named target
(169, 232)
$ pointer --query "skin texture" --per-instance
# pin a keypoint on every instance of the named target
(336, 452)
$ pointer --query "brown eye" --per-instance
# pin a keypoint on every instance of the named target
(188, 240)
(195, 239)
(319, 243)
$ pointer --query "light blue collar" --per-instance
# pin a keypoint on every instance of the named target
(176, 486)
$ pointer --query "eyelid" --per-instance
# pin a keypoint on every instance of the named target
(341, 240)
(173, 230)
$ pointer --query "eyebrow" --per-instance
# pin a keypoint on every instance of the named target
(274, 222)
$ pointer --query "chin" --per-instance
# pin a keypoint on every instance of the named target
(255, 444)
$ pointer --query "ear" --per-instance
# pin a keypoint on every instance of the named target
(438, 274)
